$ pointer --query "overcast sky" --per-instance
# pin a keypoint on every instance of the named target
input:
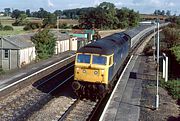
(143, 6)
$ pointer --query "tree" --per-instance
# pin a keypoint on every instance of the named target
(50, 20)
(168, 13)
(16, 13)
(7, 11)
(58, 12)
(44, 43)
(127, 17)
(163, 12)
(21, 20)
(156, 12)
(172, 36)
(42, 13)
(28, 13)
(93, 19)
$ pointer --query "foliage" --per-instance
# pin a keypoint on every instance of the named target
(50, 20)
(94, 19)
(75, 13)
(172, 36)
(7, 28)
(172, 87)
(174, 20)
(44, 44)
(58, 12)
(32, 26)
(159, 12)
(127, 18)
(40, 14)
(28, 13)
(176, 51)
(106, 16)
(21, 20)
(63, 26)
(16, 13)
(1, 71)
(7, 11)
(1, 26)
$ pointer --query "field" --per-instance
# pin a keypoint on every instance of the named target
(19, 29)
(105, 33)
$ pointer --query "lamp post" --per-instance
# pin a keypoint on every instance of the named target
(154, 47)
(157, 86)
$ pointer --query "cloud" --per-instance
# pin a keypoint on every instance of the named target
(118, 4)
(97, 2)
(50, 4)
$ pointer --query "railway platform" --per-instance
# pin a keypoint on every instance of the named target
(16, 76)
(124, 103)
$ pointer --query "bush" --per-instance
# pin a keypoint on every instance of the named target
(172, 86)
(1, 27)
(7, 28)
(32, 26)
(176, 51)
(1, 71)
(45, 43)
(19, 23)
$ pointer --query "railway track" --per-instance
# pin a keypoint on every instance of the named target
(81, 110)
(32, 98)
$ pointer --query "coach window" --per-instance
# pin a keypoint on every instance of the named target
(6, 53)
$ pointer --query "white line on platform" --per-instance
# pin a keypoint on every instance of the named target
(35, 73)
(107, 105)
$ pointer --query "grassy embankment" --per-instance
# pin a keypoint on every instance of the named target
(173, 53)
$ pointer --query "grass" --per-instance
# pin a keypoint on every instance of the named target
(17, 30)
(173, 87)
(1, 71)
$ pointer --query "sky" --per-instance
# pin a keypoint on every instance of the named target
(143, 6)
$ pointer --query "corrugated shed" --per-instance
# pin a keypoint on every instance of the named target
(20, 41)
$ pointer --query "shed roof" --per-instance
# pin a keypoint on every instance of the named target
(20, 41)
(60, 36)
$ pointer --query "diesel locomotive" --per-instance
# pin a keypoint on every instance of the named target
(97, 64)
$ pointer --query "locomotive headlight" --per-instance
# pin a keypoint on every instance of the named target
(102, 71)
(96, 72)
(84, 71)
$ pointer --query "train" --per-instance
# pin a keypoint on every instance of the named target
(98, 64)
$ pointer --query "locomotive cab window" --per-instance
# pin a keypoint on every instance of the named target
(101, 60)
(83, 58)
